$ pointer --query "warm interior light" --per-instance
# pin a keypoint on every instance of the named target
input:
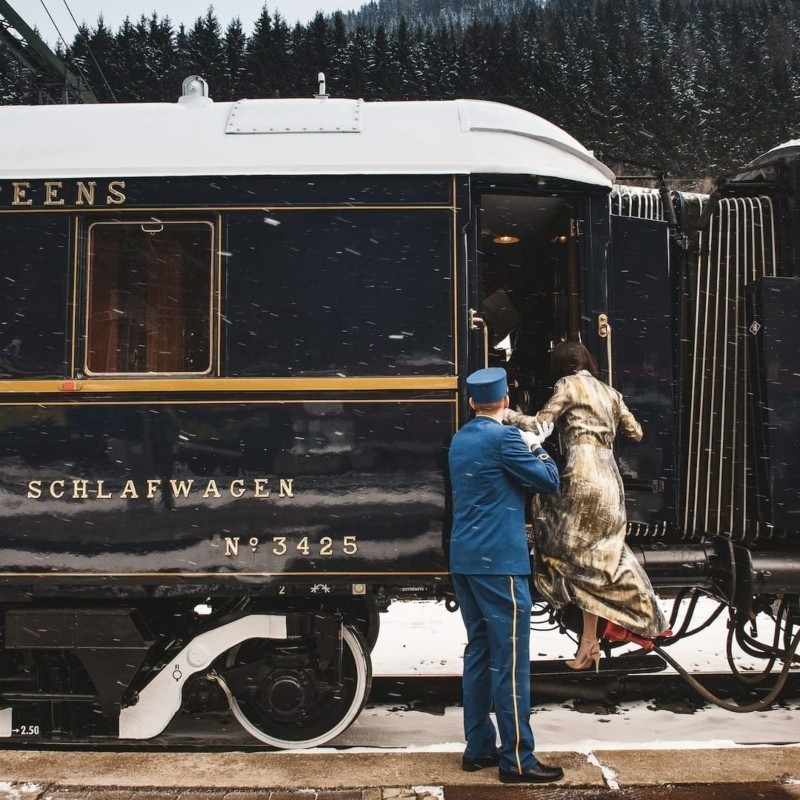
(559, 240)
(505, 239)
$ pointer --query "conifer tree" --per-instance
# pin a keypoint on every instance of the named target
(206, 54)
(16, 86)
(338, 66)
(684, 85)
(90, 50)
(267, 57)
(234, 47)
(353, 73)
(313, 53)
(380, 67)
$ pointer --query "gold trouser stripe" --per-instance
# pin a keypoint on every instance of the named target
(172, 384)
(514, 674)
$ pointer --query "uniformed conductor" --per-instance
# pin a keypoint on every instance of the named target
(491, 466)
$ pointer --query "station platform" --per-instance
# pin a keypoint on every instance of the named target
(767, 773)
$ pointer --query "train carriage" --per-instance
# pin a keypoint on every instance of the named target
(233, 338)
(730, 420)
(738, 395)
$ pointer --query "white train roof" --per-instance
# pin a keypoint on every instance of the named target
(786, 150)
(314, 136)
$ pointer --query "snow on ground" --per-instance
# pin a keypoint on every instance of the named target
(423, 638)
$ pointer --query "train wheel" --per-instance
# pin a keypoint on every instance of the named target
(363, 614)
(289, 708)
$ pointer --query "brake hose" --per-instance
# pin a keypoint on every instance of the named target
(735, 707)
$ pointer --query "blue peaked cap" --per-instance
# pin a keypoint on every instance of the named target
(487, 385)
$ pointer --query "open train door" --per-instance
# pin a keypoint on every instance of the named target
(641, 360)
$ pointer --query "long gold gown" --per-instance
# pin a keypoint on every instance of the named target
(582, 557)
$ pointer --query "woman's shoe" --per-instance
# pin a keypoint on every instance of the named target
(591, 656)
(616, 633)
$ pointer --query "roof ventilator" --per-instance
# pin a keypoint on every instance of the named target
(194, 92)
(322, 95)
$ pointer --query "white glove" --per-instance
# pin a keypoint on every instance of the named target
(535, 438)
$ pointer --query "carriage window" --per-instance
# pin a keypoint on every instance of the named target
(149, 297)
(339, 292)
(34, 253)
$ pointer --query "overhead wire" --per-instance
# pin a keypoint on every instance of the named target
(89, 51)
(61, 36)
(88, 48)
(55, 25)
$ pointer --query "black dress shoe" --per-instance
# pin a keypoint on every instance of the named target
(474, 764)
(541, 773)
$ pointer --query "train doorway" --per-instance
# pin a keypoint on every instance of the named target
(528, 286)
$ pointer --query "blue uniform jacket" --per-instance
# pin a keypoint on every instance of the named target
(490, 469)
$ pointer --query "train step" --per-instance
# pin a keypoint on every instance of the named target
(447, 688)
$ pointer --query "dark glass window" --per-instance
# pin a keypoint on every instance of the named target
(35, 263)
(337, 292)
(149, 297)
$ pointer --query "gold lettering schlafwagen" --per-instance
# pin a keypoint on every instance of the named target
(60, 193)
(82, 489)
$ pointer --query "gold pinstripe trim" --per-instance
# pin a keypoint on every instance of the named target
(76, 252)
(222, 402)
(216, 302)
(514, 675)
(456, 272)
(447, 205)
(454, 261)
(350, 574)
(136, 385)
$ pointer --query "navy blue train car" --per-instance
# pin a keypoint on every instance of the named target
(739, 388)
(232, 344)
(233, 338)
(716, 324)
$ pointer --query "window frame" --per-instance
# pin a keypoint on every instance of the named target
(213, 294)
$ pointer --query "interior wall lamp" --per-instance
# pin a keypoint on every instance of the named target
(505, 239)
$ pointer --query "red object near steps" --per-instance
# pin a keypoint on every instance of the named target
(616, 633)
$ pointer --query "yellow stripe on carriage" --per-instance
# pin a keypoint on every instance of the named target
(127, 385)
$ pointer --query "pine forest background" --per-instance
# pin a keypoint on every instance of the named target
(689, 87)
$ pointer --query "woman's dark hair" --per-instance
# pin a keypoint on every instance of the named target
(568, 358)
